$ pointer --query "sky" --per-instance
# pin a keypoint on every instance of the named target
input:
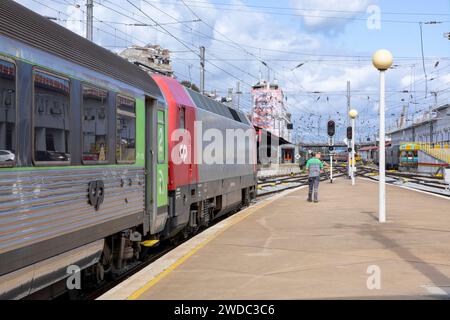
(333, 40)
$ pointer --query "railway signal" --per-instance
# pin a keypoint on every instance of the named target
(349, 133)
(331, 128)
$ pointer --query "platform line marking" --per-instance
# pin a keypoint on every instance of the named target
(408, 188)
(236, 220)
(436, 291)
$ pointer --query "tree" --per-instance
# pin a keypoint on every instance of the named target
(190, 85)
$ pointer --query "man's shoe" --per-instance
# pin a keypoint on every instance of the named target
(309, 200)
(316, 201)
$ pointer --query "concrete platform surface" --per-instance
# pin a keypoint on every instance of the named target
(290, 249)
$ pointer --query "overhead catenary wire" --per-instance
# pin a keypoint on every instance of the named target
(200, 20)
(65, 14)
(313, 9)
(310, 15)
(185, 45)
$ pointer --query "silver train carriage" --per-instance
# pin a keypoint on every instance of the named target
(79, 124)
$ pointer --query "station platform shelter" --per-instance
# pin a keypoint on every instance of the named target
(286, 248)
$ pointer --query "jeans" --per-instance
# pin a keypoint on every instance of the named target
(313, 188)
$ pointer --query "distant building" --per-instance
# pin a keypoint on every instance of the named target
(151, 58)
(433, 127)
(269, 110)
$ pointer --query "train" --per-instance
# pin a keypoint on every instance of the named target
(103, 160)
(343, 157)
(403, 157)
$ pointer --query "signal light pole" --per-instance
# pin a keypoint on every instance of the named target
(349, 145)
(331, 133)
(353, 115)
(382, 60)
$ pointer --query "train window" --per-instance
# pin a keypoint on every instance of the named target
(7, 113)
(235, 115)
(51, 118)
(161, 137)
(95, 125)
(126, 130)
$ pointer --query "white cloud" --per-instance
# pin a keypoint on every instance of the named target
(335, 78)
(329, 16)
(73, 23)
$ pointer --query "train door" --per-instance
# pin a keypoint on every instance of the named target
(150, 106)
(155, 165)
(184, 172)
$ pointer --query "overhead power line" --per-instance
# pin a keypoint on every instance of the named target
(184, 44)
(315, 9)
(305, 15)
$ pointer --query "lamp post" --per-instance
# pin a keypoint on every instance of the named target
(382, 60)
(353, 115)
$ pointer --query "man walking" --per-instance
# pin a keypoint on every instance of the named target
(314, 167)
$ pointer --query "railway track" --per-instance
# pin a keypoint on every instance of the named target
(274, 186)
(94, 292)
(102, 288)
(424, 183)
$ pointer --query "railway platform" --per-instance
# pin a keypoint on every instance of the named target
(286, 248)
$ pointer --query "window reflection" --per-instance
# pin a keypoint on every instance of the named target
(51, 118)
(126, 130)
(7, 113)
(95, 124)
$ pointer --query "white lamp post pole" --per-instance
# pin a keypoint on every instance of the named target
(382, 60)
(382, 149)
(353, 151)
(382, 161)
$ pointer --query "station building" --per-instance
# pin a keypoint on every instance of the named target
(432, 128)
(426, 142)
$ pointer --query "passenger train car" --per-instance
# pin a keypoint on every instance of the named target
(402, 157)
(91, 174)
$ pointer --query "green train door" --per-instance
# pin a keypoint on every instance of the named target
(150, 106)
(156, 166)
